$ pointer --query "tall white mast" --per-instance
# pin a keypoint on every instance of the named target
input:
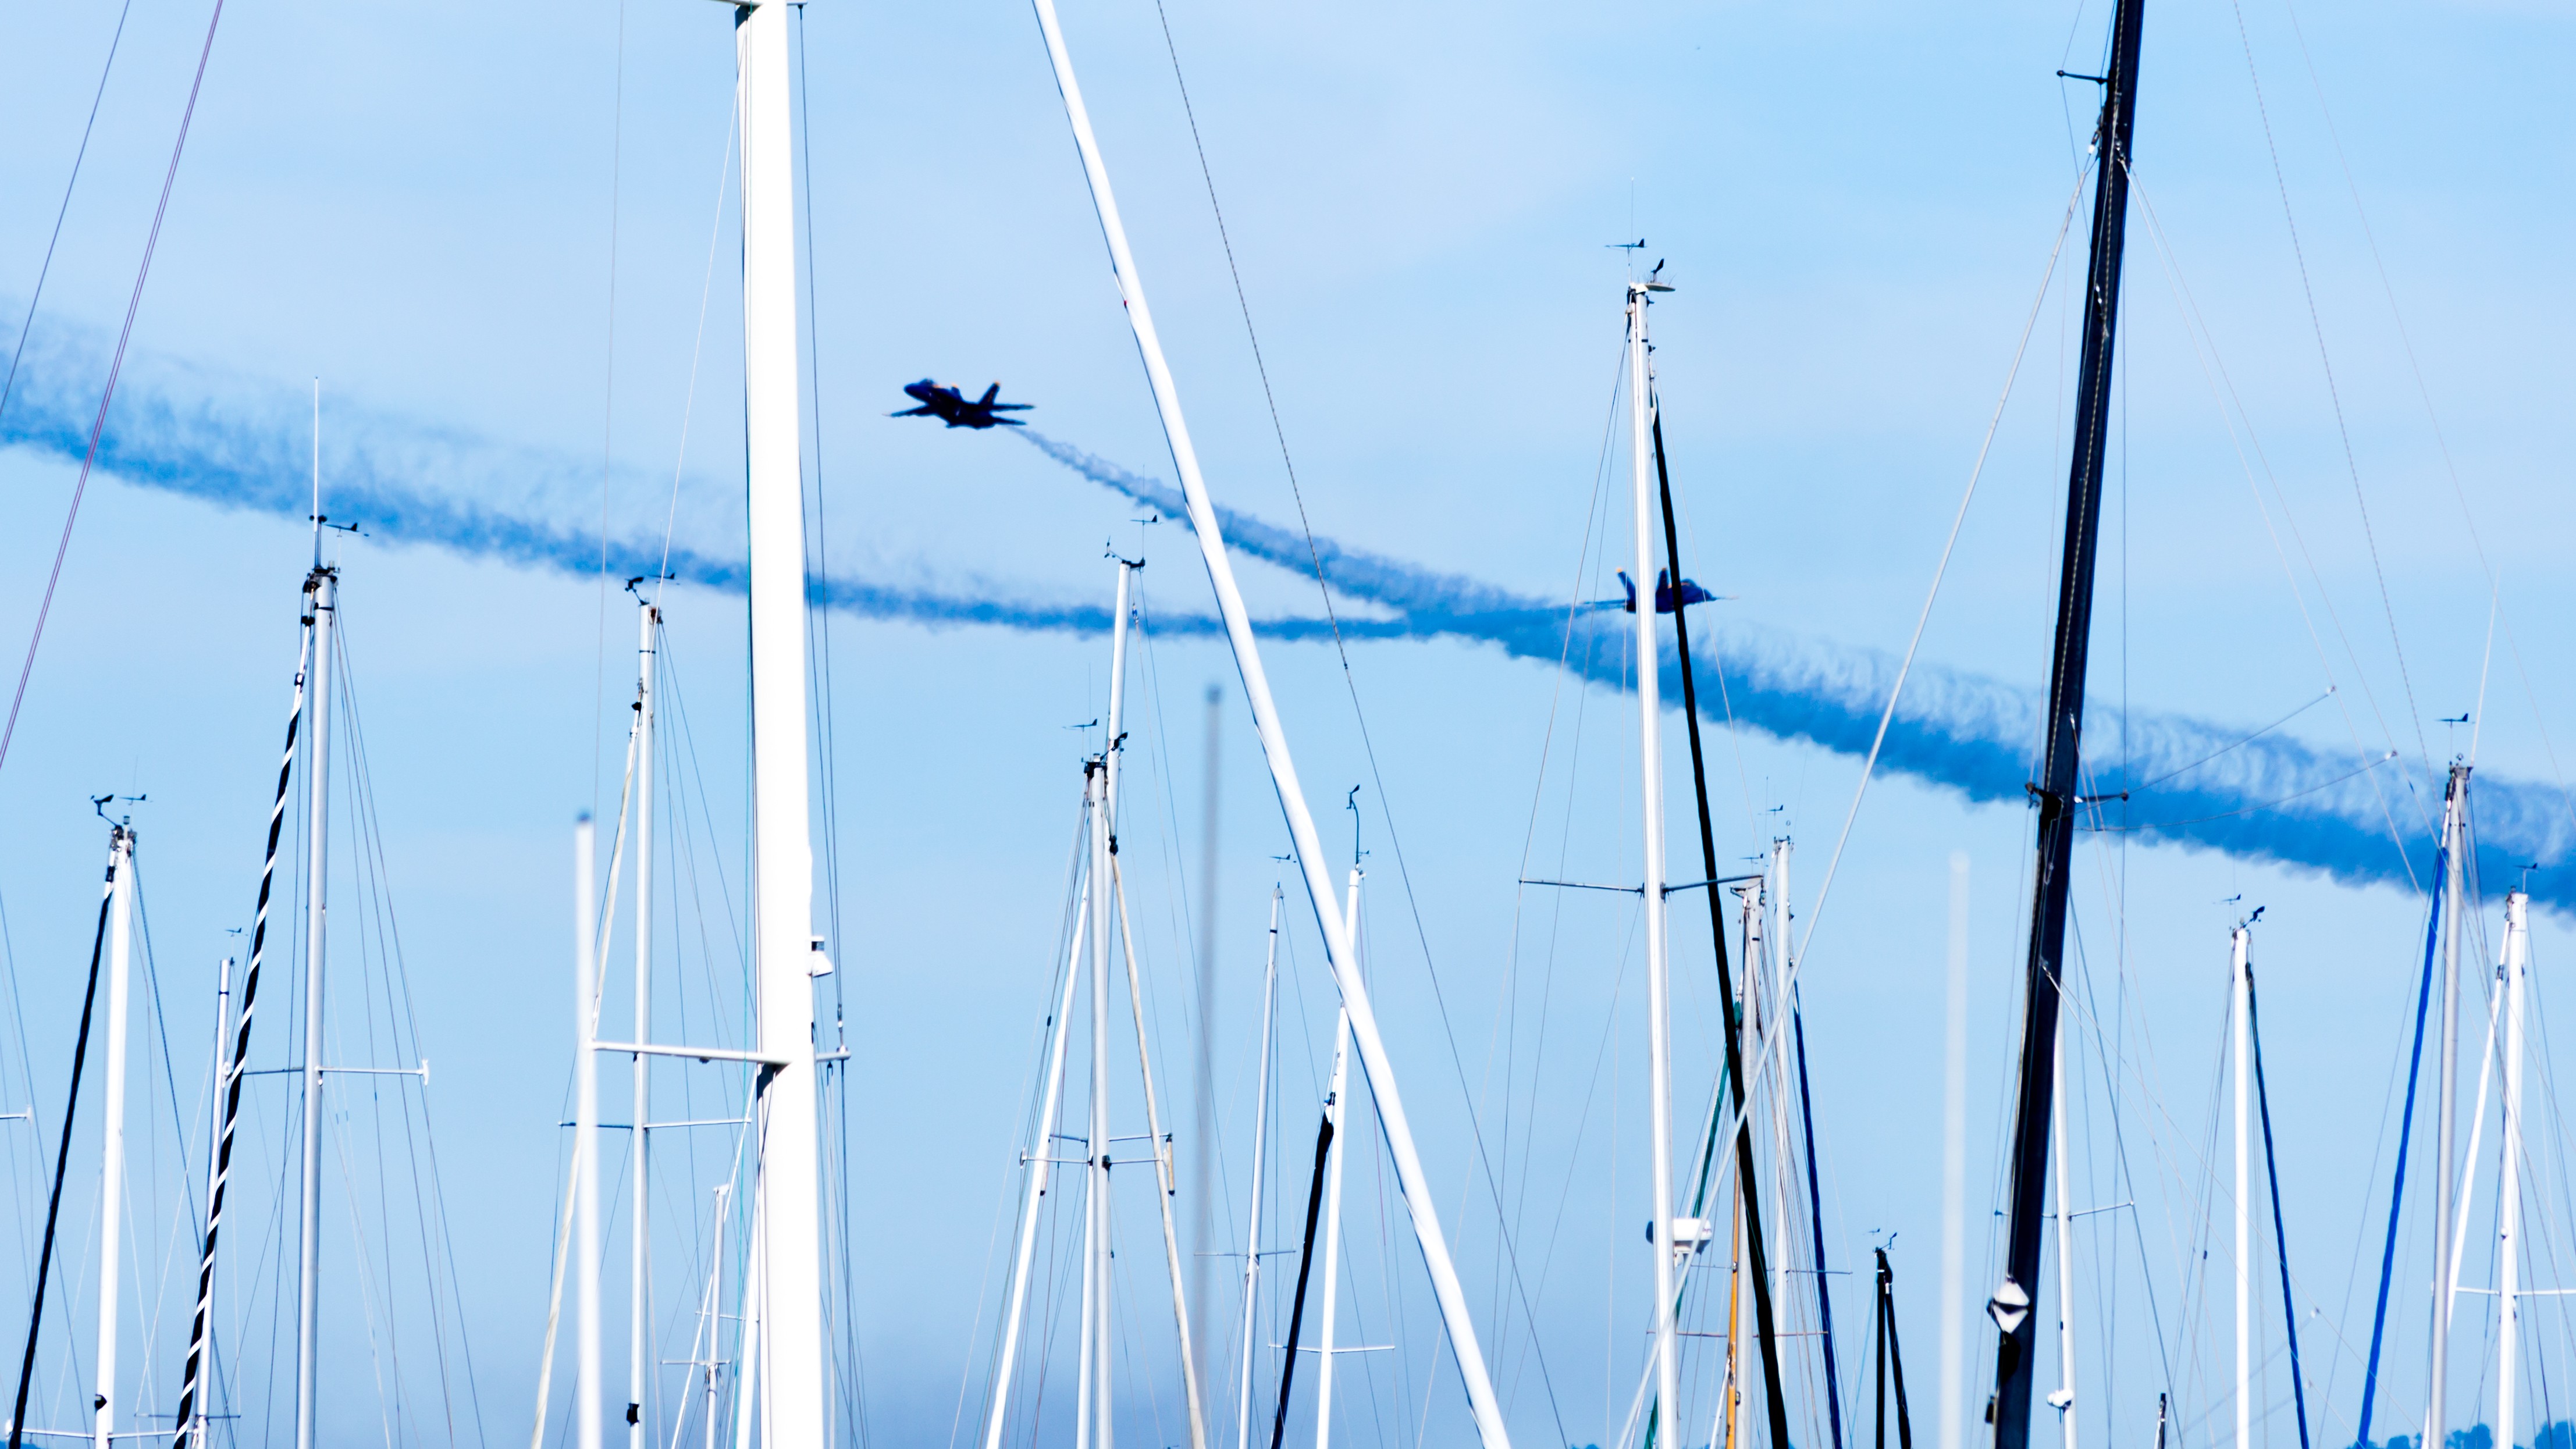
(2064, 1399)
(786, 1211)
(715, 1311)
(199, 1417)
(1776, 1020)
(1104, 864)
(2454, 901)
(1098, 1339)
(1337, 1102)
(323, 586)
(585, 1118)
(2241, 986)
(1749, 1016)
(1954, 1169)
(1650, 781)
(1308, 846)
(2517, 970)
(1260, 1137)
(639, 1256)
(111, 1171)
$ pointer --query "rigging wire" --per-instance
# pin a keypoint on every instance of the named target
(115, 369)
(2204, 346)
(2316, 324)
(1869, 766)
(697, 346)
(1351, 684)
(852, 1399)
(27, 325)
(608, 401)
(438, 1244)
(2423, 389)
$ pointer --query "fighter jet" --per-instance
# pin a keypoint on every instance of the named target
(952, 406)
(1692, 593)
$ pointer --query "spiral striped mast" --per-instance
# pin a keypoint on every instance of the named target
(187, 1417)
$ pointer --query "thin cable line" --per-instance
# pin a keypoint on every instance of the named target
(1958, 521)
(2423, 389)
(98, 424)
(697, 348)
(608, 407)
(42, 272)
(1368, 746)
(2223, 392)
(2316, 324)
(2240, 744)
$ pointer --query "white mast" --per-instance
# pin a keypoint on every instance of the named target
(715, 1311)
(1776, 1020)
(639, 1257)
(786, 1212)
(197, 1420)
(1039, 1160)
(1283, 770)
(2517, 970)
(2241, 986)
(2064, 1399)
(2454, 900)
(323, 585)
(111, 1172)
(1100, 1360)
(1650, 780)
(1099, 1332)
(1748, 1016)
(1337, 1101)
(585, 1131)
(1954, 1169)
(1252, 1233)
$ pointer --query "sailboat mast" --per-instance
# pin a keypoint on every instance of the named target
(323, 587)
(1648, 657)
(585, 1117)
(1775, 1024)
(1104, 864)
(1411, 1180)
(2446, 1151)
(111, 1171)
(1337, 1105)
(1099, 1330)
(2015, 1356)
(2517, 970)
(2241, 986)
(192, 1425)
(2064, 1399)
(192, 1384)
(1773, 1403)
(786, 1208)
(639, 1255)
(1252, 1233)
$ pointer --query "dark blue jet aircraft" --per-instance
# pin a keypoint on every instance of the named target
(952, 406)
(1692, 593)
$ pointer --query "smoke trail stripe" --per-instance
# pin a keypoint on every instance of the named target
(217, 440)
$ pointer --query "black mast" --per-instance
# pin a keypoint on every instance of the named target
(1774, 1403)
(2010, 1408)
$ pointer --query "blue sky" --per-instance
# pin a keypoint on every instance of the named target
(420, 206)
